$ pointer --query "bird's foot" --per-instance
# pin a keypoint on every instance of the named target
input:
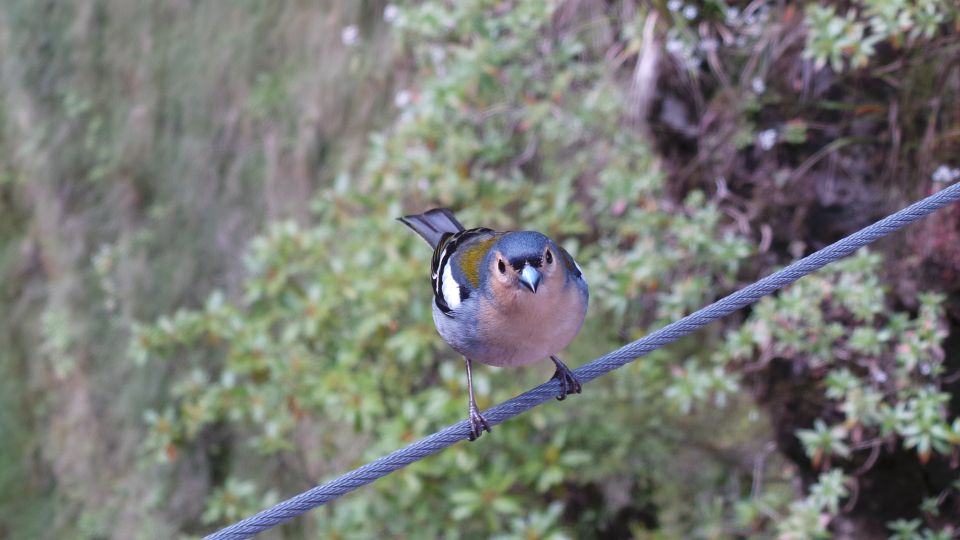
(568, 381)
(478, 424)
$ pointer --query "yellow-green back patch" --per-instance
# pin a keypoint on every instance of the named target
(471, 257)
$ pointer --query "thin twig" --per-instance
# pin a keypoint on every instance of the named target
(758, 465)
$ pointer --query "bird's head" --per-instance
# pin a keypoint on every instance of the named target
(524, 260)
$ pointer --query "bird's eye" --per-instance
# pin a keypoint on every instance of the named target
(502, 267)
(549, 257)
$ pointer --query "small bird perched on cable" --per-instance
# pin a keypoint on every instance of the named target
(502, 298)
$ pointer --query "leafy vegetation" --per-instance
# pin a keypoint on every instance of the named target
(323, 325)
(854, 36)
(267, 321)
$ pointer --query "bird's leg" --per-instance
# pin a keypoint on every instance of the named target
(568, 381)
(477, 422)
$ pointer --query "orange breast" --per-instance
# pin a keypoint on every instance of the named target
(526, 327)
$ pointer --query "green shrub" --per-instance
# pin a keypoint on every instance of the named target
(328, 357)
(331, 347)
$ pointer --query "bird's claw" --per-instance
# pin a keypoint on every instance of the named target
(478, 424)
(568, 381)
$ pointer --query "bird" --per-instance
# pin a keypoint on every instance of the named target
(504, 299)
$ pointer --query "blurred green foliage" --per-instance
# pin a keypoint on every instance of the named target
(333, 335)
(879, 374)
(330, 357)
(852, 37)
(145, 148)
(139, 150)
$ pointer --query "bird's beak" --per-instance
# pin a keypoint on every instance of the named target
(530, 277)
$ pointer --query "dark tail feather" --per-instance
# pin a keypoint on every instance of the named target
(433, 224)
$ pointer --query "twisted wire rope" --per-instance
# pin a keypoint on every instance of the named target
(459, 431)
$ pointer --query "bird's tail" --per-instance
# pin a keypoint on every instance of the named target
(433, 224)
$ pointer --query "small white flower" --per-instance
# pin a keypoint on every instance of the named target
(767, 138)
(709, 44)
(402, 99)
(350, 35)
(391, 13)
(945, 174)
(732, 14)
(880, 376)
(758, 85)
(674, 5)
(437, 55)
(690, 12)
(674, 46)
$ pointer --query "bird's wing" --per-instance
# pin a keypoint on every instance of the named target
(447, 290)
